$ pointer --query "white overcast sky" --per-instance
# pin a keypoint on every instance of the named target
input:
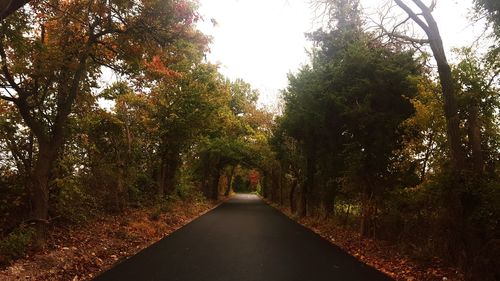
(261, 41)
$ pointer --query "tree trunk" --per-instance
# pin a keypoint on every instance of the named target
(40, 193)
(451, 112)
(205, 181)
(454, 135)
(162, 176)
(329, 199)
(216, 174)
(276, 183)
(445, 78)
(308, 185)
(347, 213)
(366, 226)
(292, 195)
(281, 187)
(303, 201)
(168, 171)
(229, 181)
(264, 180)
(121, 192)
(215, 185)
(272, 184)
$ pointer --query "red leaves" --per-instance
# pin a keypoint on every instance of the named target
(185, 13)
(254, 177)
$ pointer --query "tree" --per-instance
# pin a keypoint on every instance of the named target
(182, 108)
(52, 55)
(235, 136)
(352, 99)
(477, 98)
(424, 19)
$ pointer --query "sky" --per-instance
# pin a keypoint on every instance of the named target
(261, 41)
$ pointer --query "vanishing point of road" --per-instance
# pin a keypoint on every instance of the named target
(242, 240)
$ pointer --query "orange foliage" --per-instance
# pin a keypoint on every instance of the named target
(156, 65)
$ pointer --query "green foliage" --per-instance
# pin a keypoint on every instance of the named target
(186, 187)
(170, 126)
(15, 244)
(491, 9)
(354, 103)
(72, 202)
(67, 147)
(258, 189)
(363, 141)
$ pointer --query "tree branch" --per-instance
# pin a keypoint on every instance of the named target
(413, 15)
(394, 34)
(492, 79)
(6, 72)
(9, 7)
(21, 102)
(64, 109)
(11, 99)
(423, 7)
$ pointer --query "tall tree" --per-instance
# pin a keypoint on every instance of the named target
(52, 54)
(422, 16)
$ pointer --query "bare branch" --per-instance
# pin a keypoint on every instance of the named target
(424, 7)
(7, 98)
(413, 15)
(400, 24)
(394, 34)
(410, 39)
(492, 79)
(433, 5)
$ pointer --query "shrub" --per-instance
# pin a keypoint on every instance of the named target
(186, 189)
(14, 245)
(72, 203)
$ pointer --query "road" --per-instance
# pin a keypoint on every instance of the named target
(243, 239)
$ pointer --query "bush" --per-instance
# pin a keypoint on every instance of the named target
(186, 189)
(165, 204)
(258, 189)
(14, 245)
(72, 203)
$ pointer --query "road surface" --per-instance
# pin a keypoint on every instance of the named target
(242, 240)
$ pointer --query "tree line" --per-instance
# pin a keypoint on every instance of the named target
(381, 134)
(379, 131)
(72, 147)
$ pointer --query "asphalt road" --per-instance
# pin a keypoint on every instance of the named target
(242, 240)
